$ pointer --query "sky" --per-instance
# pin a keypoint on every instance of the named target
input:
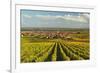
(54, 19)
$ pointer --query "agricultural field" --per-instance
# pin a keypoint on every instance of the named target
(49, 45)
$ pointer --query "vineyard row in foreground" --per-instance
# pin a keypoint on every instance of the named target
(54, 51)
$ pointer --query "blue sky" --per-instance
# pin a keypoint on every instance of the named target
(54, 19)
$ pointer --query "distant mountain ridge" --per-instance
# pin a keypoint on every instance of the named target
(51, 29)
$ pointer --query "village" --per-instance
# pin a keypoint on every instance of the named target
(48, 34)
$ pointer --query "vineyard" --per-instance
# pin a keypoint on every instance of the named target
(45, 50)
(52, 36)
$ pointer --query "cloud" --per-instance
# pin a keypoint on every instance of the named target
(79, 18)
(27, 16)
(76, 18)
(45, 17)
(68, 20)
(86, 15)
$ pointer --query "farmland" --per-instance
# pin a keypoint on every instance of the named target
(47, 45)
